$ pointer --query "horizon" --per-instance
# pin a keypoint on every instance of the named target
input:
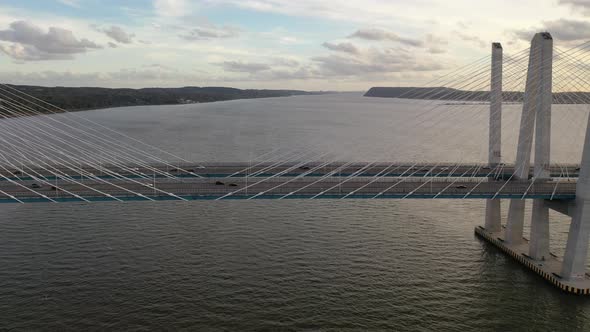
(183, 87)
(309, 45)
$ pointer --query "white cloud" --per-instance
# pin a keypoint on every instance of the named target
(374, 61)
(342, 47)
(171, 8)
(28, 42)
(436, 50)
(346, 61)
(285, 62)
(71, 3)
(583, 5)
(471, 38)
(210, 32)
(22, 53)
(380, 35)
(244, 67)
(374, 11)
(280, 35)
(563, 30)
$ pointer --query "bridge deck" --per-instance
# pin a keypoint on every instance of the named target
(287, 187)
(269, 169)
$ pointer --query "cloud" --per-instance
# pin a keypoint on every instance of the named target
(303, 73)
(71, 3)
(171, 8)
(244, 67)
(374, 61)
(562, 30)
(158, 66)
(285, 62)
(22, 53)
(379, 34)
(279, 35)
(568, 30)
(435, 44)
(377, 12)
(583, 5)
(471, 38)
(211, 32)
(346, 62)
(342, 47)
(119, 35)
(31, 43)
(113, 45)
(436, 50)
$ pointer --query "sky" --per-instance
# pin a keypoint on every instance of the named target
(345, 45)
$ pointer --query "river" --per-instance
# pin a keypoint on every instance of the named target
(319, 265)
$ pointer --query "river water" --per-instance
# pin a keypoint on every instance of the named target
(319, 265)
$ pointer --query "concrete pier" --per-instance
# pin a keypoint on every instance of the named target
(539, 244)
(549, 269)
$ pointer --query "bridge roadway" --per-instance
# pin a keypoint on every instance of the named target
(338, 169)
(287, 187)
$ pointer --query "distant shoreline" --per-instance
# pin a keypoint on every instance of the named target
(455, 95)
(86, 99)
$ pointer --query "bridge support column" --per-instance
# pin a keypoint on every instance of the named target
(539, 239)
(576, 250)
(533, 99)
(493, 221)
(539, 242)
(515, 222)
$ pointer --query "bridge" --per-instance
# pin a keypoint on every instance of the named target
(286, 187)
(313, 180)
(47, 157)
(311, 169)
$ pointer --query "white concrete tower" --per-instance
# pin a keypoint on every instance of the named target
(492, 222)
(576, 250)
(539, 239)
(533, 100)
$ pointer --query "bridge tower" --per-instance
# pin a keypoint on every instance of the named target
(576, 250)
(569, 275)
(536, 108)
(493, 221)
(539, 242)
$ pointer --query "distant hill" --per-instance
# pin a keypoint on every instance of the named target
(75, 99)
(442, 93)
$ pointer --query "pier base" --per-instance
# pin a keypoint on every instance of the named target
(549, 269)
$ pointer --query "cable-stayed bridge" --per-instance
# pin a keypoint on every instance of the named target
(49, 155)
